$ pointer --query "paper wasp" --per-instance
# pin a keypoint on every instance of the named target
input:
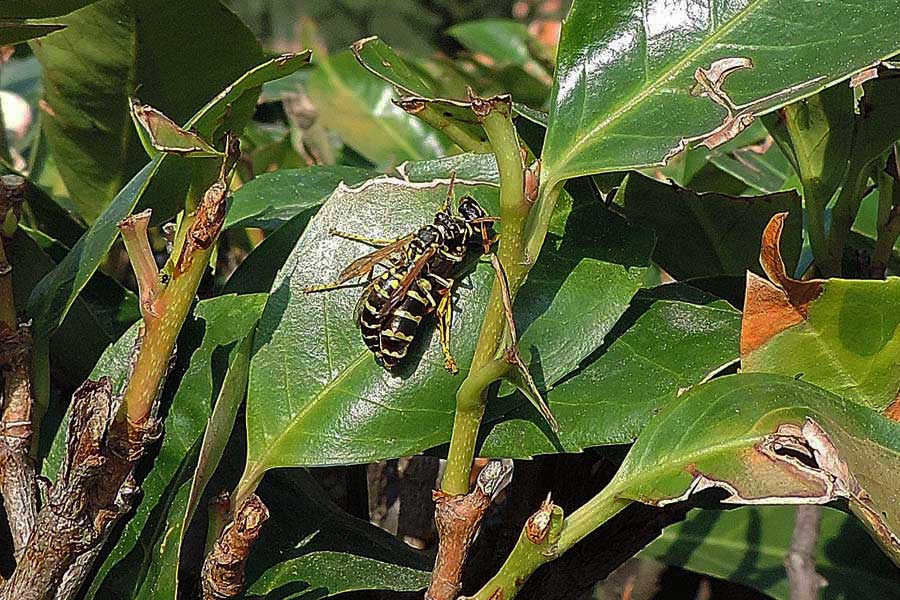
(418, 279)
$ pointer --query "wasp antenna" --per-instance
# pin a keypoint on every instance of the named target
(449, 199)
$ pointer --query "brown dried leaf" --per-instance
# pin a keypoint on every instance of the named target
(770, 307)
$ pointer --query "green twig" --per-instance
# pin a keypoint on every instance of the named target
(527, 556)
(487, 367)
(844, 213)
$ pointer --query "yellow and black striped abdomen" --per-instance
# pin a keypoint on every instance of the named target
(400, 326)
(370, 318)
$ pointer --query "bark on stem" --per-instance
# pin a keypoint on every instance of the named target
(95, 487)
(108, 434)
(18, 484)
(458, 518)
(223, 570)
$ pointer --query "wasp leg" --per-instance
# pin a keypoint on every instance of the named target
(365, 240)
(445, 319)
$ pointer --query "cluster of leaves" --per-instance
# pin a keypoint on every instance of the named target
(270, 382)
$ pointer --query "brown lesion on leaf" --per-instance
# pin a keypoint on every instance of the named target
(892, 412)
(773, 305)
(798, 463)
(709, 84)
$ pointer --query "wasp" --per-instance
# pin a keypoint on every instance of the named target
(417, 280)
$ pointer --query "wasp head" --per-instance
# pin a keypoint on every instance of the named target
(469, 209)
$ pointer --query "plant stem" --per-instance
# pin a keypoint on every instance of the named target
(526, 557)
(844, 213)
(539, 221)
(171, 304)
(486, 367)
(469, 411)
(597, 511)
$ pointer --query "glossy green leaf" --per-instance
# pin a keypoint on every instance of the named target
(272, 198)
(359, 108)
(229, 319)
(327, 552)
(671, 347)
(16, 32)
(314, 386)
(709, 234)
(316, 395)
(766, 439)
(749, 545)
(848, 342)
(622, 97)
(593, 270)
(52, 297)
(177, 56)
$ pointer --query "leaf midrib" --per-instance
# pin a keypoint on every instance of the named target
(263, 462)
(648, 91)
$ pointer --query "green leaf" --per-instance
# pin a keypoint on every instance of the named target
(229, 319)
(272, 198)
(16, 32)
(767, 439)
(466, 166)
(35, 9)
(624, 75)
(670, 347)
(359, 108)
(502, 40)
(316, 394)
(162, 567)
(52, 297)
(846, 341)
(709, 234)
(749, 545)
(327, 552)
(313, 384)
(584, 279)
(54, 294)
(177, 56)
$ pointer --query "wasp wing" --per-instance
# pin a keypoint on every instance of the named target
(398, 295)
(364, 265)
